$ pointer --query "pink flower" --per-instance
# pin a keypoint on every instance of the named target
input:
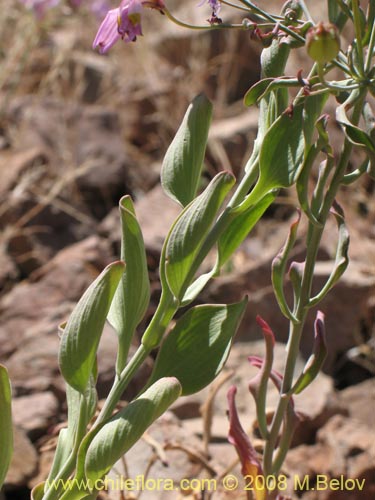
(107, 34)
(214, 4)
(129, 22)
(123, 23)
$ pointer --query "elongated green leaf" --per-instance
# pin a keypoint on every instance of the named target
(313, 109)
(196, 349)
(254, 94)
(261, 89)
(282, 150)
(274, 59)
(123, 430)
(187, 234)
(342, 256)
(38, 491)
(316, 360)
(281, 156)
(356, 135)
(336, 15)
(133, 293)
(6, 427)
(240, 227)
(278, 269)
(182, 165)
(82, 333)
(196, 287)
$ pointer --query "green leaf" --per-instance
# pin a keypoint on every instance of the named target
(278, 269)
(6, 426)
(262, 88)
(37, 492)
(342, 255)
(282, 150)
(196, 349)
(81, 336)
(274, 59)
(63, 449)
(354, 133)
(336, 15)
(281, 156)
(313, 109)
(182, 165)
(133, 293)
(196, 287)
(240, 227)
(254, 94)
(189, 231)
(316, 360)
(125, 428)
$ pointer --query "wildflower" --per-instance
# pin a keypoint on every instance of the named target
(107, 34)
(214, 4)
(129, 21)
(237, 436)
(123, 23)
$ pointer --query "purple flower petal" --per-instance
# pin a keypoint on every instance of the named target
(129, 23)
(107, 34)
(214, 4)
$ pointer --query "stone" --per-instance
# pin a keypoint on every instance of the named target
(345, 448)
(8, 271)
(155, 213)
(359, 400)
(170, 439)
(24, 462)
(87, 139)
(35, 413)
(44, 300)
(14, 164)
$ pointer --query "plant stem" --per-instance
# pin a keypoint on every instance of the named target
(121, 384)
(313, 241)
(370, 49)
(264, 14)
(358, 34)
(54, 491)
(205, 27)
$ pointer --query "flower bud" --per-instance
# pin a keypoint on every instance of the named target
(322, 42)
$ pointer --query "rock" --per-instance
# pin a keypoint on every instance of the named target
(155, 213)
(345, 448)
(8, 271)
(35, 413)
(206, 48)
(171, 438)
(24, 463)
(44, 301)
(88, 135)
(359, 400)
(34, 366)
(14, 164)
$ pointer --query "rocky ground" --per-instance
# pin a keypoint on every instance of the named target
(77, 131)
